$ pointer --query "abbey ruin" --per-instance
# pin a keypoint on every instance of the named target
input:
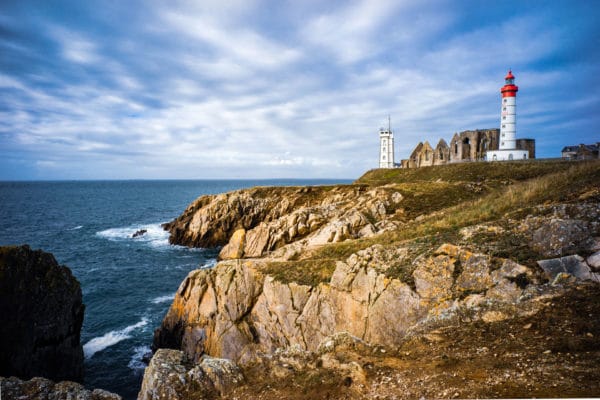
(465, 146)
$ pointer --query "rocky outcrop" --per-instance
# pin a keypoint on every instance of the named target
(169, 376)
(254, 222)
(566, 231)
(42, 312)
(574, 265)
(235, 311)
(45, 389)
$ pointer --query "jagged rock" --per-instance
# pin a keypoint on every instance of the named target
(169, 376)
(594, 260)
(45, 389)
(140, 232)
(42, 312)
(222, 373)
(433, 279)
(558, 236)
(276, 217)
(475, 275)
(236, 312)
(572, 265)
(235, 248)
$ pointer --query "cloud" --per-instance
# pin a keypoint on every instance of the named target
(270, 89)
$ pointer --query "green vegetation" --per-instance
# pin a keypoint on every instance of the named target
(469, 194)
(490, 173)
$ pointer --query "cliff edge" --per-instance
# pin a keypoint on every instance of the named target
(443, 287)
(41, 312)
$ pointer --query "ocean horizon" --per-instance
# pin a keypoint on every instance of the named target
(127, 283)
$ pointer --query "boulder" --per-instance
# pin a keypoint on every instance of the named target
(572, 265)
(41, 310)
(235, 248)
(558, 236)
(45, 389)
(594, 260)
(140, 232)
(169, 376)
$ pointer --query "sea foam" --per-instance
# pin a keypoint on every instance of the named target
(137, 359)
(155, 236)
(111, 338)
(163, 299)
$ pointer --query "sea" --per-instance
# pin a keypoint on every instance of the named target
(128, 283)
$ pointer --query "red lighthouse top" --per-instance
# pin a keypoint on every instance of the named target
(509, 89)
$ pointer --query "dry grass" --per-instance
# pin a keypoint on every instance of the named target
(563, 186)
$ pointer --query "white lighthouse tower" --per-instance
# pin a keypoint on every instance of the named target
(386, 147)
(507, 149)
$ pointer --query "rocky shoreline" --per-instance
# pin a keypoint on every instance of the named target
(42, 312)
(386, 294)
(407, 286)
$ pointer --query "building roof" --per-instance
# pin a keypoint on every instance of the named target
(589, 147)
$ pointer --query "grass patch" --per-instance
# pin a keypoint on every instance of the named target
(304, 272)
(456, 209)
(497, 172)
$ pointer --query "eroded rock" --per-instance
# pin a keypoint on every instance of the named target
(41, 313)
(45, 389)
(170, 376)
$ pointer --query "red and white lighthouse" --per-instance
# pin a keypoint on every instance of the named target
(507, 148)
(508, 120)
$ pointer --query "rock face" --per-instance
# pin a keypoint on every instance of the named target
(45, 389)
(41, 313)
(235, 311)
(254, 222)
(168, 376)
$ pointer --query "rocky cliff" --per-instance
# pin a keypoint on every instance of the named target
(45, 389)
(235, 311)
(257, 221)
(463, 274)
(41, 313)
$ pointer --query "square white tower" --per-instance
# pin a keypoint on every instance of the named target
(386, 148)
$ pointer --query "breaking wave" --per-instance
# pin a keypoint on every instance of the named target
(154, 235)
(111, 338)
(163, 299)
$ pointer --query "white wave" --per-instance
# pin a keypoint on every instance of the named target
(111, 338)
(209, 264)
(163, 299)
(76, 228)
(155, 236)
(136, 362)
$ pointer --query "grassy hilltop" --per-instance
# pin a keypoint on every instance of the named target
(439, 201)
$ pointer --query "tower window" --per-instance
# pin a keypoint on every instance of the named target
(383, 158)
(503, 108)
(504, 117)
(503, 135)
(384, 149)
(504, 126)
(502, 143)
(505, 100)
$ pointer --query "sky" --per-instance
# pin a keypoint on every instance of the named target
(221, 89)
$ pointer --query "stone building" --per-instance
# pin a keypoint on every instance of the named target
(472, 145)
(581, 152)
(465, 146)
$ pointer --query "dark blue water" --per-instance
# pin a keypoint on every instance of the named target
(128, 283)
